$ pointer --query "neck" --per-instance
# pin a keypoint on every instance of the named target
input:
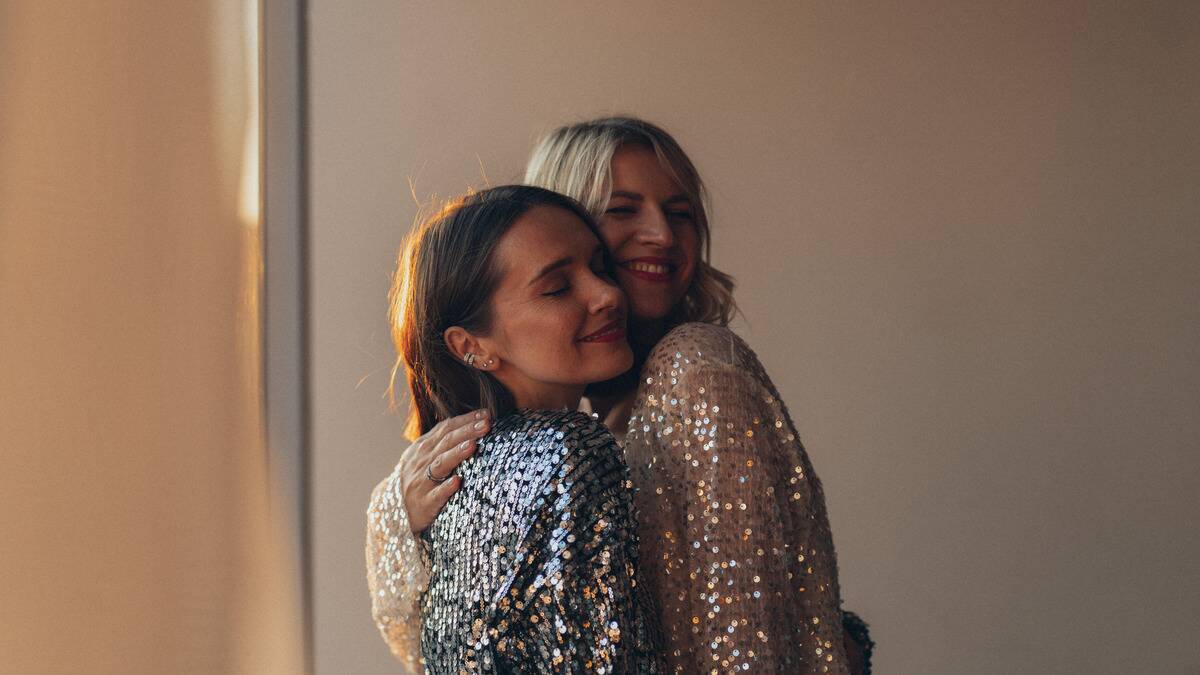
(549, 398)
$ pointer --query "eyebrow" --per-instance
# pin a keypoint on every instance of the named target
(562, 262)
(673, 199)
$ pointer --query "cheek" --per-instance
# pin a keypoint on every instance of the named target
(541, 338)
(689, 241)
(614, 235)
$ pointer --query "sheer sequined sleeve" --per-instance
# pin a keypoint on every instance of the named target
(736, 542)
(398, 570)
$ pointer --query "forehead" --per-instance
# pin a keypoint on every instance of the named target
(637, 168)
(542, 235)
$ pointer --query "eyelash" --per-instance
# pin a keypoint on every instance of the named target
(628, 210)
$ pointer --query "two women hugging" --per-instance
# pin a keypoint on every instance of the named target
(603, 477)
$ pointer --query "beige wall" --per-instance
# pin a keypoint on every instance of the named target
(134, 532)
(967, 238)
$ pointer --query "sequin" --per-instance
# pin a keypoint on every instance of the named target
(690, 542)
(398, 570)
(752, 613)
(534, 559)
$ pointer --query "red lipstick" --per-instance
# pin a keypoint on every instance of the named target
(609, 333)
(650, 268)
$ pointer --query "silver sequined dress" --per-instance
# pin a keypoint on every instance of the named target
(533, 561)
(736, 549)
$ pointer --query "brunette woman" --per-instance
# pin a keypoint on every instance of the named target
(504, 302)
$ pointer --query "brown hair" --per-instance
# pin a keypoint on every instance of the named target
(445, 277)
(576, 160)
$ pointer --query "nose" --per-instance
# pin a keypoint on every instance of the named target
(654, 228)
(604, 296)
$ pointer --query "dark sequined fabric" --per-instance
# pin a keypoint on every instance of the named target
(736, 544)
(534, 559)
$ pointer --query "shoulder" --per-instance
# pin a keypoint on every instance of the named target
(562, 425)
(519, 465)
(540, 461)
(702, 344)
(706, 365)
(542, 435)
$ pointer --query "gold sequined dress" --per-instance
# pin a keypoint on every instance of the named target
(736, 550)
(532, 562)
(736, 544)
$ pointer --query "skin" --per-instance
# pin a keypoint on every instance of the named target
(646, 220)
(558, 319)
(649, 223)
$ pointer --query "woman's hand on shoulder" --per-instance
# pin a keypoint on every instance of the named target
(438, 452)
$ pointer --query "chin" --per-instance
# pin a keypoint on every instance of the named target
(621, 363)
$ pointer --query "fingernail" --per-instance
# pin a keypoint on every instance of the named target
(464, 444)
(480, 414)
(479, 426)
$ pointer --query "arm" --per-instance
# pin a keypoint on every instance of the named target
(738, 547)
(398, 571)
(398, 566)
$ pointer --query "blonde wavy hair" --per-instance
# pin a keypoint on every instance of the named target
(576, 159)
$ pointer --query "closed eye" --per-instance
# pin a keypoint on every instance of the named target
(559, 292)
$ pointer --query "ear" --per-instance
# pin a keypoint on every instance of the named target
(460, 342)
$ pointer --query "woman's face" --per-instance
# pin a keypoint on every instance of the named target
(649, 227)
(558, 318)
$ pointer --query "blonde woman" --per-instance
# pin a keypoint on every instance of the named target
(736, 550)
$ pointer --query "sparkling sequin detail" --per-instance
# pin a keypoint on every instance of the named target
(736, 544)
(397, 572)
(736, 548)
(534, 559)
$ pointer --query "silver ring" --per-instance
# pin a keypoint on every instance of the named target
(430, 476)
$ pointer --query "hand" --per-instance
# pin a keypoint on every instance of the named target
(439, 451)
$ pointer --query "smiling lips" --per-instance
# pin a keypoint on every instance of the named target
(650, 269)
(609, 333)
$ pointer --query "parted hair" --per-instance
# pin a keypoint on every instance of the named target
(576, 159)
(445, 276)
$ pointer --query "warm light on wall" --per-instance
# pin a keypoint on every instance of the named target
(249, 197)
